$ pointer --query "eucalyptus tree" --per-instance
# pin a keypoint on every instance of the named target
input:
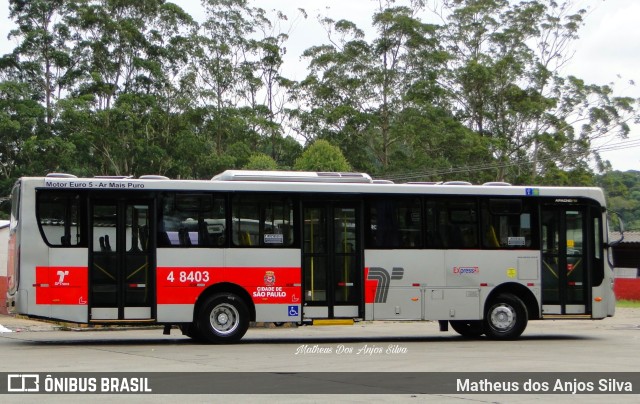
(351, 93)
(131, 56)
(505, 82)
(43, 57)
(378, 99)
(264, 87)
(238, 63)
(21, 119)
(34, 77)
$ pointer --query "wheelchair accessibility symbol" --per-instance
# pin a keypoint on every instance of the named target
(293, 311)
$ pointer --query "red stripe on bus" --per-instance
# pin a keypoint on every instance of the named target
(370, 287)
(62, 285)
(183, 285)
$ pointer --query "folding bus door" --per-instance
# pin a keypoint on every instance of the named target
(121, 260)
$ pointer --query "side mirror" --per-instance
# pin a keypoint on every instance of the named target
(615, 225)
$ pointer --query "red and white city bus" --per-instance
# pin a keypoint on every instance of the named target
(213, 256)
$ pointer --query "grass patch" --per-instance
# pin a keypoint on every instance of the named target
(628, 303)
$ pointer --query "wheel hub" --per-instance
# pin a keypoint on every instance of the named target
(223, 318)
(503, 318)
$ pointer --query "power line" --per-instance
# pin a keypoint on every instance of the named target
(409, 175)
(627, 144)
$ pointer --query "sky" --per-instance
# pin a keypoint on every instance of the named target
(608, 50)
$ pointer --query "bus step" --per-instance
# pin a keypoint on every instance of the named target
(566, 316)
(333, 321)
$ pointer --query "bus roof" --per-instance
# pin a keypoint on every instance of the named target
(307, 182)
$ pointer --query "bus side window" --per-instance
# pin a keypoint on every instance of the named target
(60, 218)
(185, 239)
(506, 223)
(192, 220)
(462, 224)
(163, 239)
(394, 223)
(491, 239)
(263, 220)
(203, 234)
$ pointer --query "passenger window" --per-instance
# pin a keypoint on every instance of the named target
(395, 223)
(192, 220)
(452, 224)
(262, 221)
(59, 218)
(506, 223)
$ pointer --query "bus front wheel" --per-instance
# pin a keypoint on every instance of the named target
(506, 317)
(224, 317)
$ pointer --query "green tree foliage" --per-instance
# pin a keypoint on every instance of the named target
(322, 156)
(105, 73)
(33, 78)
(20, 120)
(129, 87)
(237, 62)
(361, 94)
(504, 81)
(623, 194)
(43, 58)
(131, 54)
(261, 162)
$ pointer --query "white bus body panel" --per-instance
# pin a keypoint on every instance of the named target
(72, 257)
(447, 284)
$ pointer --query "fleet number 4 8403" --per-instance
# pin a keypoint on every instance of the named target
(189, 276)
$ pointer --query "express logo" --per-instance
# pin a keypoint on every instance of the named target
(466, 270)
(269, 278)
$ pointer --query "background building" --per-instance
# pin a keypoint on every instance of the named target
(626, 257)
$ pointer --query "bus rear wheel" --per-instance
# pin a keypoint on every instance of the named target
(506, 317)
(468, 329)
(223, 318)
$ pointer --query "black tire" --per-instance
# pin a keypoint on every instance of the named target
(191, 331)
(468, 329)
(506, 317)
(223, 318)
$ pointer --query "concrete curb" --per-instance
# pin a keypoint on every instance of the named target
(25, 324)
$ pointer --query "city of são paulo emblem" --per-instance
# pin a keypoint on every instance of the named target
(269, 278)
